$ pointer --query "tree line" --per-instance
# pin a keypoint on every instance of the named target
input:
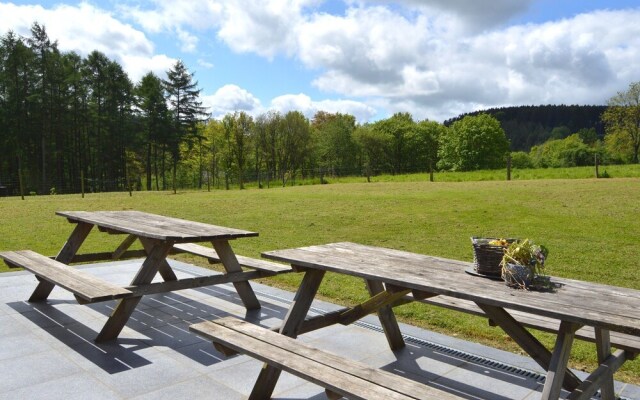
(71, 123)
(66, 120)
(528, 126)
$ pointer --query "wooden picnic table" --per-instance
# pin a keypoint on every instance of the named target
(392, 275)
(158, 236)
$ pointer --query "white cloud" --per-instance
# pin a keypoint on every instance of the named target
(304, 104)
(229, 99)
(91, 29)
(434, 59)
(262, 27)
(205, 64)
(176, 17)
(137, 66)
(423, 64)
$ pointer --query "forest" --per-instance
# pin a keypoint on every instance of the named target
(527, 126)
(70, 123)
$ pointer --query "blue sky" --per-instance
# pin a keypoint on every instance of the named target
(370, 58)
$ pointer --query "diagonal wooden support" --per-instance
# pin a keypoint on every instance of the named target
(66, 254)
(378, 300)
(527, 342)
(163, 267)
(268, 377)
(231, 264)
(157, 254)
(124, 246)
(559, 360)
(600, 377)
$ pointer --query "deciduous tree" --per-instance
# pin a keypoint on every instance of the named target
(475, 142)
(622, 116)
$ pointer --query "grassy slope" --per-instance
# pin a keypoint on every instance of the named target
(590, 227)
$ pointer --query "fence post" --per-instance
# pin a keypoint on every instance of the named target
(597, 162)
(82, 182)
(430, 170)
(509, 167)
(20, 181)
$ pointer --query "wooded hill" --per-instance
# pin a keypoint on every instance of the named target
(527, 126)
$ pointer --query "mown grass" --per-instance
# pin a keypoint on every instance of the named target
(590, 226)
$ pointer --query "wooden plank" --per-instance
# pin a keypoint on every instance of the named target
(124, 246)
(107, 255)
(125, 307)
(529, 343)
(163, 266)
(230, 264)
(291, 324)
(378, 300)
(155, 226)
(212, 256)
(603, 349)
(346, 377)
(385, 314)
(196, 282)
(619, 340)
(559, 360)
(599, 377)
(616, 309)
(69, 249)
(87, 287)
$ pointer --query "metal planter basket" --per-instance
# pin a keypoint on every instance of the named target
(487, 257)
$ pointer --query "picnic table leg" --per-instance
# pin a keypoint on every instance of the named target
(268, 378)
(156, 255)
(66, 254)
(387, 318)
(559, 360)
(163, 268)
(230, 263)
(603, 348)
(527, 342)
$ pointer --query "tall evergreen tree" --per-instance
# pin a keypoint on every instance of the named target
(45, 52)
(187, 110)
(155, 119)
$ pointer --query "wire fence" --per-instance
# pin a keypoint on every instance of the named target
(204, 180)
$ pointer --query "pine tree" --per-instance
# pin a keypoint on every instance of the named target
(185, 107)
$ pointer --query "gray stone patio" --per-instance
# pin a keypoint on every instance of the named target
(47, 349)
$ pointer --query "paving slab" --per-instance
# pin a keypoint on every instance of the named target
(47, 349)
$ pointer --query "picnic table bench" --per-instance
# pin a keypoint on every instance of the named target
(339, 376)
(85, 287)
(630, 343)
(606, 315)
(158, 236)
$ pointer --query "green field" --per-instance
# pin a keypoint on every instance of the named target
(590, 226)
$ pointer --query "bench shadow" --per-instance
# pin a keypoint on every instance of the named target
(112, 357)
(159, 321)
(433, 367)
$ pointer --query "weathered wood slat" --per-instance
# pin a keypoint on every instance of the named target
(155, 226)
(345, 377)
(85, 286)
(599, 377)
(196, 282)
(107, 255)
(213, 257)
(616, 309)
(619, 340)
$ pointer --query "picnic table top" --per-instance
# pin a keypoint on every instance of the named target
(155, 226)
(587, 303)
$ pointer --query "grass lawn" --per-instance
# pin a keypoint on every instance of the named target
(590, 227)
